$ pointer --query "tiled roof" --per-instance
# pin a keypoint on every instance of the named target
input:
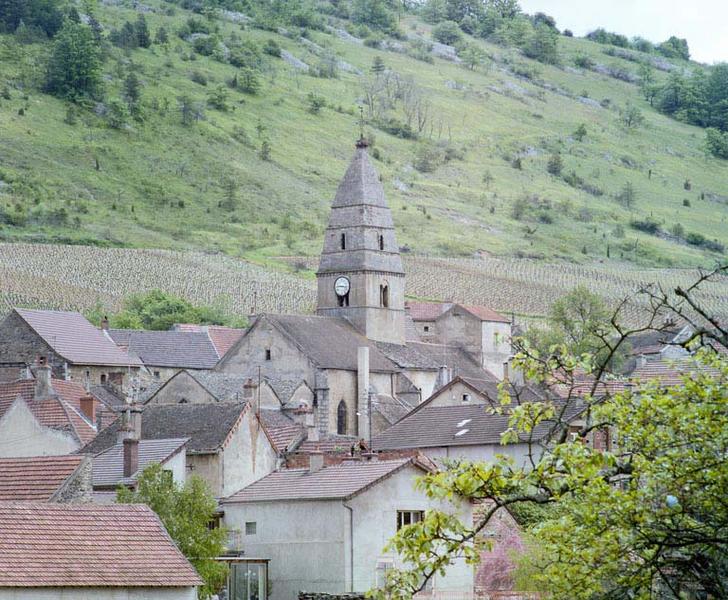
(340, 481)
(330, 443)
(36, 478)
(108, 467)
(223, 338)
(460, 361)
(60, 412)
(207, 425)
(330, 342)
(88, 545)
(223, 386)
(426, 311)
(283, 432)
(484, 313)
(75, 339)
(440, 426)
(175, 349)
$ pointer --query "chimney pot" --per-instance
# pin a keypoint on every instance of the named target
(105, 323)
(88, 407)
(315, 461)
(131, 456)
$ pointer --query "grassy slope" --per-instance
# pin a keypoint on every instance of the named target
(154, 165)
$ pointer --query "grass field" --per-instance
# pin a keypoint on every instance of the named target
(160, 184)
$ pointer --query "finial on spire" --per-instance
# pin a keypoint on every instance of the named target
(361, 142)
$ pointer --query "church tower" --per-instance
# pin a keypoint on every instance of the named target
(360, 275)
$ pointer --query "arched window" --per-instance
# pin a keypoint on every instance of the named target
(384, 295)
(343, 300)
(341, 417)
(343, 241)
(381, 242)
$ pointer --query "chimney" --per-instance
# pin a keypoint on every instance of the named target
(312, 432)
(131, 456)
(87, 405)
(105, 323)
(43, 389)
(362, 384)
(315, 461)
(506, 371)
(443, 376)
(249, 388)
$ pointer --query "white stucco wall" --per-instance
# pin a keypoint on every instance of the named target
(305, 542)
(424, 380)
(98, 593)
(178, 465)
(22, 435)
(496, 346)
(308, 542)
(375, 522)
(247, 457)
(453, 396)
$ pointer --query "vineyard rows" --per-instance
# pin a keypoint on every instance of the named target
(78, 277)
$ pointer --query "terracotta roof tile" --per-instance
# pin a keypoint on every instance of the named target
(282, 431)
(484, 313)
(89, 545)
(75, 339)
(35, 478)
(60, 412)
(340, 481)
(426, 311)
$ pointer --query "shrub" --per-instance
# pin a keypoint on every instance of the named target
(447, 32)
(272, 48)
(542, 45)
(397, 128)
(555, 164)
(217, 98)
(198, 77)
(580, 132)
(248, 81)
(626, 196)
(315, 103)
(646, 226)
(583, 61)
(716, 142)
(686, 202)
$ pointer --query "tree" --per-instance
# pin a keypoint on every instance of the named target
(161, 37)
(543, 45)
(132, 94)
(716, 142)
(118, 114)
(186, 513)
(644, 517)
(141, 29)
(265, 150)
(631, 116)
(555, 164)
(580, 132)
(447, 32)
(675, 47)
(74, 67)
(374, 13)
(157, 310)
(230, 194)
(378, 66)
(472, 57)
(315, 103)
(218, 97)
(626, 196)
(45, 15)
(248, 81)
(647, 82)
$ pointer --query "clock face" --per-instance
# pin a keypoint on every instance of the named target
(341, 286)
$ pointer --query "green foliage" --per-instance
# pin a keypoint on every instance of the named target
(74, 67)
(41, 15)
(542, 45)
(248, 81)
(631, 116)
(716, 142)
(315, 103)
(118, 115)
(272, 48)
(158, 310)
(555, 164)
(675, 48)
(626, 196)
(373, 13)
(447, 32)
(186, 513)
(218, 98)
(580, 132)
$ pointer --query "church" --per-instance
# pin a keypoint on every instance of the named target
(367, 357)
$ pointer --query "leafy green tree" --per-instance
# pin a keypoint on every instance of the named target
(315, 103)
(716, 143)
(158, 310)
(626, 195)
(230, 194)
(434, 11)
(378, 66)
(555, 164)
(472, 57)
(543, 45)
(631, 116)
(118, 115)
(44, 15)
(675, 47)
(648, 85)
(642, 515)
(74, 67)
(249, 82)
(265, 150)
(447, 32)
(580, 132)
(141, 29)
(186, 512)
(374, 13)
(161, 37)
(218, 98)
(133, 94)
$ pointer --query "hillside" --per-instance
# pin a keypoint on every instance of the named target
(482, 184)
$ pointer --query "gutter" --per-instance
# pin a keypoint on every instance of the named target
(351, 545)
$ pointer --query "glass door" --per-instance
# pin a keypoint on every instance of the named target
(248, 581)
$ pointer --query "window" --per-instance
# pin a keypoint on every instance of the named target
(267, 354)
(156, 374)
(427, 328)
(251, 527)
(466, 397)
(182, 400)
(341, 418)
(343, 241)
(343, 300)
(384, 295)
(381, 242)
(408, 517)
(248, 581)
(103, 378)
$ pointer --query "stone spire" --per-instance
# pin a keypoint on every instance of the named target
(360, 246)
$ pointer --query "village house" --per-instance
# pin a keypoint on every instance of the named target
(323, 528)
(73, 347)
(46, 479)
(123, 462)
(42, 415)
(360, 354)
(228, 446)
(165, 353)
(90, 552)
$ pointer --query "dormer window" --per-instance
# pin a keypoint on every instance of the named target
(343, 241)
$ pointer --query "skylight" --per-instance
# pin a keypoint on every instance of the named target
(464, 422)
